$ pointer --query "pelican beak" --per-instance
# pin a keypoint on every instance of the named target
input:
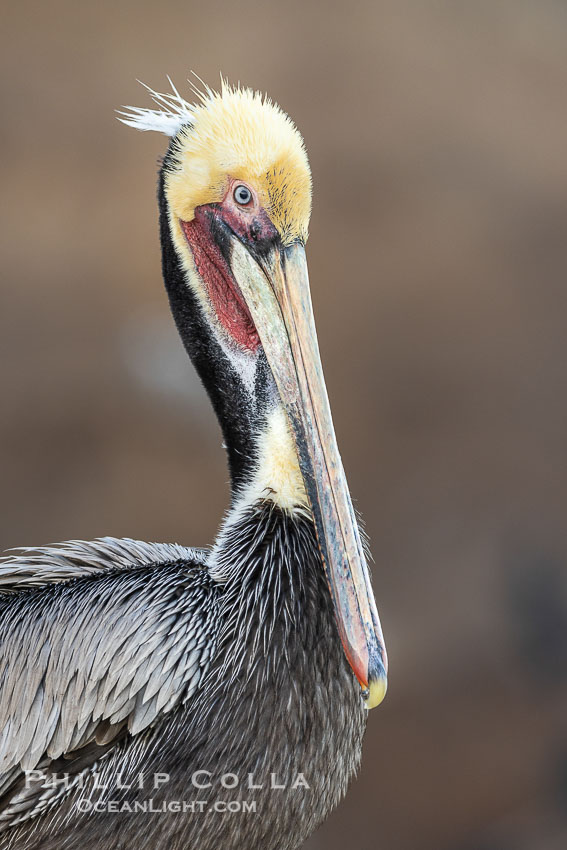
(276, 290)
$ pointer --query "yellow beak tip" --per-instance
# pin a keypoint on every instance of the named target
(375, 692)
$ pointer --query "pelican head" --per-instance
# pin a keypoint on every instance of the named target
(236, 196)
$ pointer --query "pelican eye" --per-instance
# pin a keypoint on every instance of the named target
(242, 195)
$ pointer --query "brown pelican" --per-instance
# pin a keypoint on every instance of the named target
(154, 696)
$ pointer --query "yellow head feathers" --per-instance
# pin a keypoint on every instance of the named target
(235, 133)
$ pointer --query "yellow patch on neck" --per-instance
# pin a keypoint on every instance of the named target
(278, 476)
(237, 133)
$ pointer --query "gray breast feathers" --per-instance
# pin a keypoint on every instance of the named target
(97, 640)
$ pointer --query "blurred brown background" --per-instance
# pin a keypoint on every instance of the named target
(437, 133)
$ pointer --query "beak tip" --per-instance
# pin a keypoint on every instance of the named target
(376, 691)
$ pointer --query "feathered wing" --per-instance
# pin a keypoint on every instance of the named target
(98, 640)
(41, 565)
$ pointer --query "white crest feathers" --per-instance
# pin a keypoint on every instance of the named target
(173, 113)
